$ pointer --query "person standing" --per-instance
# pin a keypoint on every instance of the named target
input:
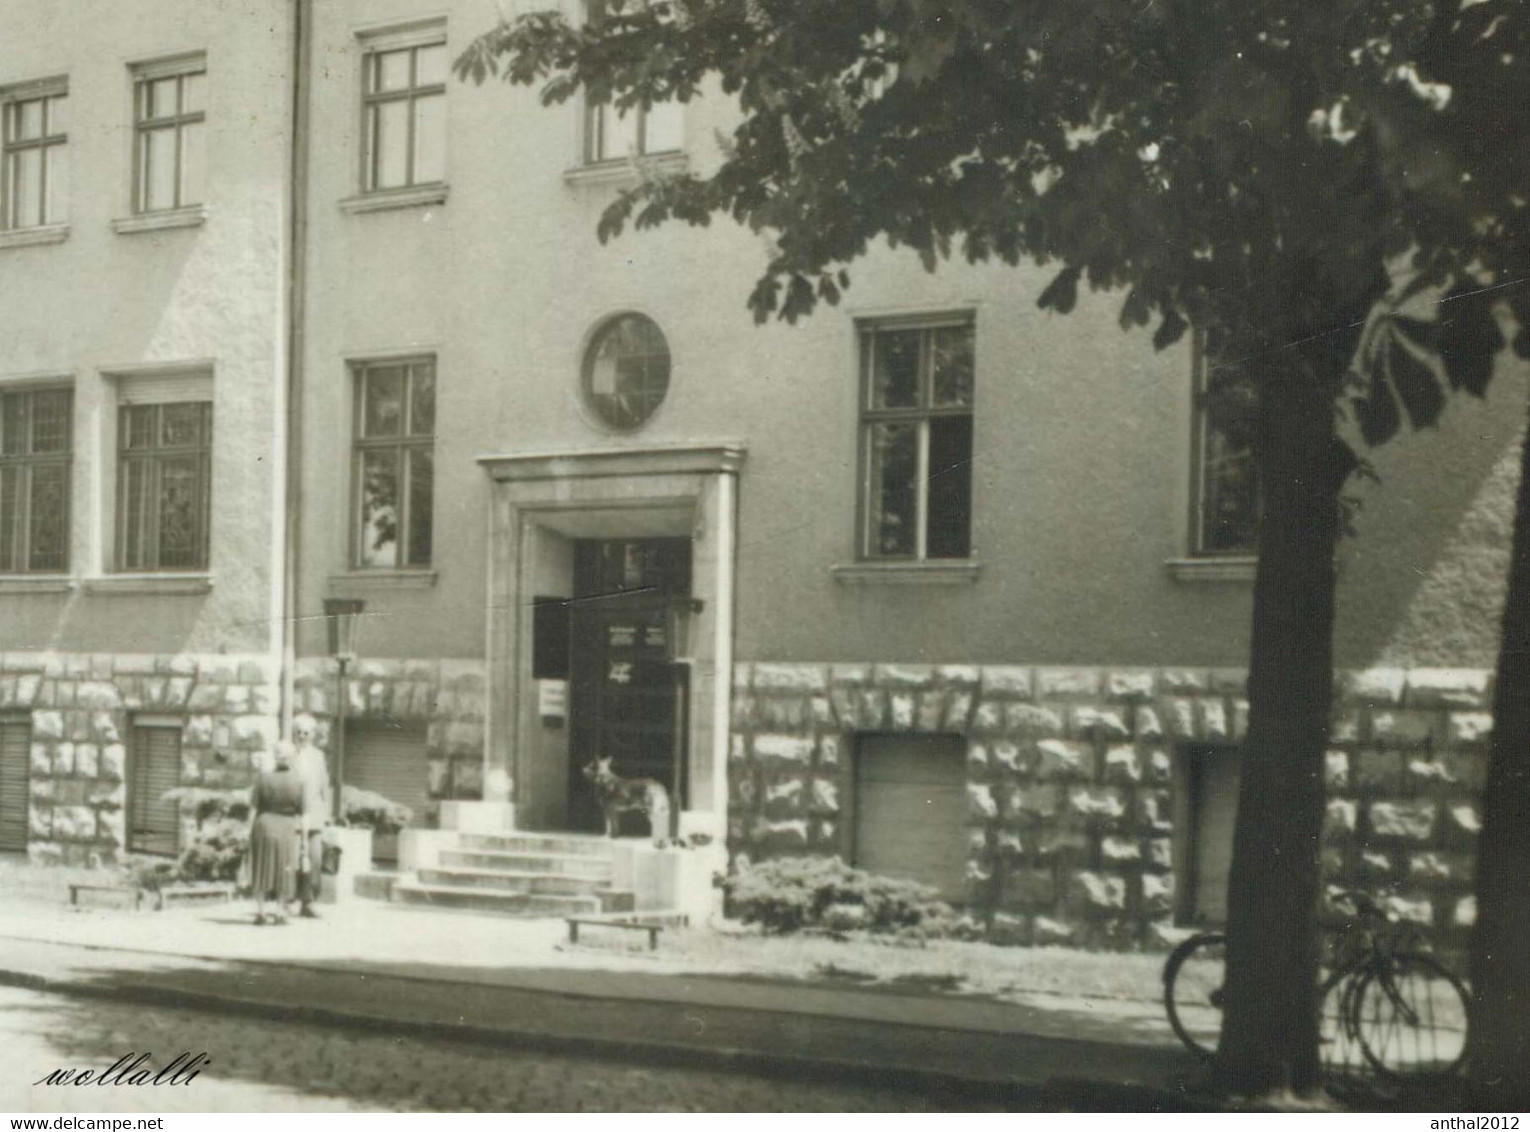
(313, 769)
(277, 804)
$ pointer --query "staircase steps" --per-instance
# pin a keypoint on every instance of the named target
(561, 864)
(525, 904)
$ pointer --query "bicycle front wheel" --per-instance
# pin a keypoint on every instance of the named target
(1192, 991)
(1409, 1016)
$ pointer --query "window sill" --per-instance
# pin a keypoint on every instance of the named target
(1233, 568)
(625, 169)
(149, 584)
(384, 200)
(193, 217)
(953, 573)
(35, 584)
(32, 237)
(383, 580)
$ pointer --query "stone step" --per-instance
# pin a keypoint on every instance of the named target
(568, 864)
(522, 904)
(504, 880)
(542, 844)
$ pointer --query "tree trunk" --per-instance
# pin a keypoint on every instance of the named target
(1270, 1024)
(1499, 1040)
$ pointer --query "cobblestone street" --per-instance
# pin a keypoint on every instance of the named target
(258, 1065)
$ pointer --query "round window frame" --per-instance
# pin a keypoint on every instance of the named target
(591, 402)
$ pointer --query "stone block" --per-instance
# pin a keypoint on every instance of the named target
(27, 689)
(1373, 687)
(95, 695)
(467, 778)
(377, 695)
(77, 727)
(63, 760)
(1042, 800)
(958, 711)
(1409, 728)
(988, 717)
(1098, 892)
(87, 760)
(1031, 721)
(1379, 770)
(1030, 888)
(197, 731)
(1123, 767)
(1065, 843)
(1411, 821)
(1182, 681)
(1009, 930)
(179, 691)
(1465, 913)
(1157, 893)
(236, 699)
(968, 675)
(1179, 717)
(849, 674)
(131, 691)
(355, 697)
(103, 727)
(784, 798)
(909, 677)
(1339, 818)
(1009, 847)
(930, 710)
(790, 678)
(254, 732)
(101, 666)
(1345, 727)
(205, 698)
(825, 796)
(782, 836)
(1410, 908)
(1068, 682)
(1469, 728)
(40, 789)
(743, 790)
(74, 823)
(1437, 867)
(39, 823)
(1155, 811)
(1376, 866)
(217, 669)
(1059, 758)
(191, 765)
(1129, 684)
(1047, 931)
(828, 750)
(1161, 853)
(47, 725)
(1212, 714)
(783, 748)
(1448, 688)
(1228, 681)
(1239, 720)
(1006, 682)
(1336, 770)
(113, 762)
(780, 713)
(1120, 850)
(870, 709)
(738, 749)
(1145, 723)
(1088, 720)
(1160, 767)
(824, 834)
(106, 794)
(1464, 817)
(901, 705)
(980, 802)
(1097, 802)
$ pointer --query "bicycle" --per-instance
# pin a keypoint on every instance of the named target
(1404, 1011)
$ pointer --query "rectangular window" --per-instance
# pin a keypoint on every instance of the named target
(169, 123)
(916, 440)
(36, 427)
(613, 135)
(1224, 488)
(34, 168)
(394, 445)
(164, 473)
(404, 114)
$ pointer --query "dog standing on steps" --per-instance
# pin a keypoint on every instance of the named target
(617, 795)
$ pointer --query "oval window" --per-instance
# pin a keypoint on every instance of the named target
(626, 370)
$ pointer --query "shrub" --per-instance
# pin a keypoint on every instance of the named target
(221, 839)
(796, 893)
(370, 809)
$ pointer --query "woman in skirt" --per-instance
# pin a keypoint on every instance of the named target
(278, 808)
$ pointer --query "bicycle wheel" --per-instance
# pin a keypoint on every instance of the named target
(1192, 991)
(1409, 1016)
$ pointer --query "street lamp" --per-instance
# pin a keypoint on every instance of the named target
(343, 615)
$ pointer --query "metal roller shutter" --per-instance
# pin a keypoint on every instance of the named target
(1216, 810)
(15, 739)
(155, 768)
(389, 761)
(911, 809)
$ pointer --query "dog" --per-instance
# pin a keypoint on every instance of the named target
(617, 795)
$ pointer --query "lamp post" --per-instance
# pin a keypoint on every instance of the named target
(343, 615)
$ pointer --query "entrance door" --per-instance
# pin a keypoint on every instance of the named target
(627, 696)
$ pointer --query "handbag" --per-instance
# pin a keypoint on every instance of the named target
(329, 863)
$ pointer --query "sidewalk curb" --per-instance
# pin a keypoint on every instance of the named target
(1081, 1093)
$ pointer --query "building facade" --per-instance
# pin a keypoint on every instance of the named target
(939, 582)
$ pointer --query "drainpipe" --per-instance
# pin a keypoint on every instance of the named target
(297, 261)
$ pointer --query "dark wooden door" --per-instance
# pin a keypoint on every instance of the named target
(15, 739)
(154, 768)
(627, 697)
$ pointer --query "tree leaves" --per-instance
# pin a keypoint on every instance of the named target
(1469, 338)
(1061, 294)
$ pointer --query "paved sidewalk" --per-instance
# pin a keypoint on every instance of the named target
(514, 982)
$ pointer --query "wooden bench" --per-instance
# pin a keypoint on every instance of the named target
(115, 889)
(653, 930)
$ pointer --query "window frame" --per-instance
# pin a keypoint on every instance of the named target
(179, 68)
(375, 46)
(11, 100)
(155, 455)
(403, 444)
(595, 128)
(867, 417)
(26, 462)
(1200, 434)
